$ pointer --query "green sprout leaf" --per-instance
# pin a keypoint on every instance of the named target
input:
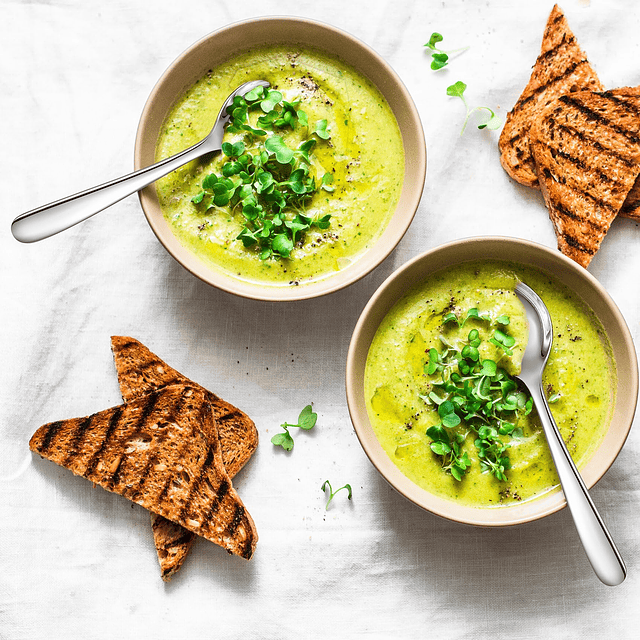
(333, 493)
(277, 146)
(439, 58)
(474, 395)
(306, 420)
(321, 130)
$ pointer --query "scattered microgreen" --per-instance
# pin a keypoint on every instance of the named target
(440, 58)
(332, 493)
(306, 420)
(474, 395)
(264, 179)
(553, 398)
(457, 90)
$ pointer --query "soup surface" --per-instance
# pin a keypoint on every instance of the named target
(579, 380)
(363, 153)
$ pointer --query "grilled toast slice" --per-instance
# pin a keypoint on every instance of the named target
(140, 372)
(561, 68)
(162, 452)
(586, 147)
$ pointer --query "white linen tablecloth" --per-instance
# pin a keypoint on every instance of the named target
(79, 562)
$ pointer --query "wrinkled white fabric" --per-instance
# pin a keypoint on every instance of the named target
(78, 562)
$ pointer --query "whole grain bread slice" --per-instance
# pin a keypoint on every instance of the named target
(586, 147)
(162, 452)
(140, 371)
(561, 68)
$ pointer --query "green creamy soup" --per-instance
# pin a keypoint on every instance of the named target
(364, 154)
(580, 376)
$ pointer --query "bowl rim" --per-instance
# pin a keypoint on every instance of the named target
(393, 233)
(450, 510)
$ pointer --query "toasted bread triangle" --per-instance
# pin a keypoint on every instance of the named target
(561, 68)
(586, 147)
(140, 371)
(160, 451)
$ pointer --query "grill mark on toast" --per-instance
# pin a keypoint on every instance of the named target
(562, 180)
(596, 117)
(594, 143)
(238, 517)
(247, 551)
(628, 105)
(574, 216)
(196, 483)
(551, 52)
(49, 436)
(144, 474)
(183, 539)
(577, 162)
(113, 423)
(567, 72)
(147, 410)
(572, 241)
(221, 494)
(77, 439)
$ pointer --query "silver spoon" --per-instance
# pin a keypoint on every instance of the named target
(596, 540)
(57, 216)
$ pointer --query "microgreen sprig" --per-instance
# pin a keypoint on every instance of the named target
(478, 393)
(306, 420)
(266, 180)
(439, 57)
(332, 493)
(457, 90)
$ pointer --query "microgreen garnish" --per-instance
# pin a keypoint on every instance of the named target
(306, 420)
(476, 395)
(457, 90)
(439, 57)
(332, 493)
(266, 180)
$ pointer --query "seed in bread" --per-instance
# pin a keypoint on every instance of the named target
(561, 68)
(160, 451)
(586, 147)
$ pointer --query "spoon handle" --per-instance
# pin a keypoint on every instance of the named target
(57, 216)
(596, 540)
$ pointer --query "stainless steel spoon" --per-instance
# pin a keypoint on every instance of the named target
(596, 540)
(57, 216)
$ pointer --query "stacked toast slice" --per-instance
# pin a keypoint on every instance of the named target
(141, 372)
(163, 450)
(576, 142)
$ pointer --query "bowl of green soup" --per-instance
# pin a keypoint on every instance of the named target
(311, 190)
(432, 389)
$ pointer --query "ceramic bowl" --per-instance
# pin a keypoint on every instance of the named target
(524, 253)
(233, 40)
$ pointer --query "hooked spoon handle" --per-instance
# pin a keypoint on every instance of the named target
(57, 216)
(596, 540)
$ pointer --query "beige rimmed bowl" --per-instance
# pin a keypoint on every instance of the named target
(230, 41)
(524, 253)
